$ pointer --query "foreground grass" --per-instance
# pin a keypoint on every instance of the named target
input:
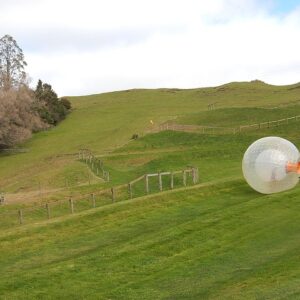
(223, 241)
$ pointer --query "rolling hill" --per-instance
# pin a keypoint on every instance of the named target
(218, 239)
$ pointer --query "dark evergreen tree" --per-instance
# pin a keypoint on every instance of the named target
(53, 110)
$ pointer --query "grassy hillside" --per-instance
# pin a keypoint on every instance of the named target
(235, 116)
(216, 240)
(106, 121)
(222, 241)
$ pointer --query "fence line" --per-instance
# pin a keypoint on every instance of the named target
(269, 124)
(95, 164)
(89, 201)
(170, 125)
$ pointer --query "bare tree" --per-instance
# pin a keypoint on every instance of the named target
(18, 116)
(12, 63)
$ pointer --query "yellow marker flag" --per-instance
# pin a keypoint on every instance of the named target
(151, 122)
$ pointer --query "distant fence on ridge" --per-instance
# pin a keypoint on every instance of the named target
(171, 125)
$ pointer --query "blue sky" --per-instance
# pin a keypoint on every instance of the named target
(100, 45)
(285, 6)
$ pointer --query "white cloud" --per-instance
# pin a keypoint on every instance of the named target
(93, 46)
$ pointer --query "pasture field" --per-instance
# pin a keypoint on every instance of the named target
(220, 241)
(217, 239)
(236, 116)
(107, 121)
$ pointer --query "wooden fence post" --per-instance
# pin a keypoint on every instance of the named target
(160, 182)
(172, 180)
(194, 175)
(147, 184)
(20, 213)
(130, 190)
(113, 194)
(93, 200)
(197, 175)
(71, 205)
(48, 210)
(184, 177)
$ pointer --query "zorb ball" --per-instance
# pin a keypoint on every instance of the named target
(271, 165)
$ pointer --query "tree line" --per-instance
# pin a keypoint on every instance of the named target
(24, 110)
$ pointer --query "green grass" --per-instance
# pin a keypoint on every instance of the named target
(216, 240)
(235, 116)
(107, 121)
(222, 241)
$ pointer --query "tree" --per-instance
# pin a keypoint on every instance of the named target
(22, 110)
(12, 63)
(52, 110)
(18, 116)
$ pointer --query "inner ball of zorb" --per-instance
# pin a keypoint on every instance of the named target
(265, 165)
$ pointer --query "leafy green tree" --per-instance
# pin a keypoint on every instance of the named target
(53, 110)
(12, 63)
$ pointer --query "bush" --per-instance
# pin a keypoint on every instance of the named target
(66, 103)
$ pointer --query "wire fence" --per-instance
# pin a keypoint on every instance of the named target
(96, 165)
(269, 124)
(143, 185)
(170, 125)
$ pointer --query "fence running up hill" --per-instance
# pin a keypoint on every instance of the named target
(139, 187)
(95, 164)
(170, 125)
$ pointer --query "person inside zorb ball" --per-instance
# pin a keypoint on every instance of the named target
(271, 165)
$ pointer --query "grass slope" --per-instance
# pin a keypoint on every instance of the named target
(217, 242)
(106, 121)
(235, 116)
